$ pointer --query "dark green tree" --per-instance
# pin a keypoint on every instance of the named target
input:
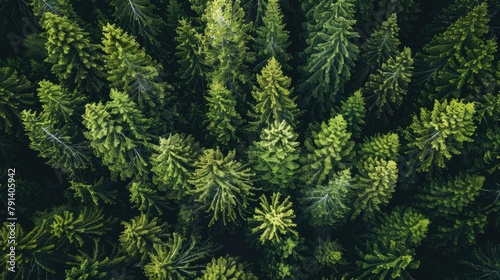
(145, 196)
(56, 7)
(485, 263)
(15, 95)
(354, 112)
(221, 184)
(97, 192)
(226, 268)
(272, 40)
(407, 11)
(275, 156)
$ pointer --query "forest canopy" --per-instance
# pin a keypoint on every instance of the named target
(250, 139)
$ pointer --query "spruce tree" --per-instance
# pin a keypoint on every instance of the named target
(385, 90)
(438, 134)
(407, 11)
(221, 184)
(331, 54)
(272, 40)
(226, 268)
(275, 156)
(56, 7)
(354, 112)
(272, 95)
(385, 146)
(484, 263)
(96, 192)
(15, 95)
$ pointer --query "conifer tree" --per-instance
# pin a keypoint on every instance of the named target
(328, 150)
(385, 146)
(226, 43)
(455, 231)
(485, 263)
(375, 184)
(407, 11)
(274, 220)
(329, 253)
(141, 234)
(221, 184)
(272, 95)
(275, 156)
(145, 197)
(56, 7)
(59, 104)
(328, 204)
(378, 48)
(354, 112)
(96, 192)
(117, 132)
(384, 90)
(15, 95)
(440, 133)
(226, 268)
(331, 54)
(139, 18)
(272, 40)
(173, 162)
(75, 60)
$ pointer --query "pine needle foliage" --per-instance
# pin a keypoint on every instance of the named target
(226, 268)
(15, 95)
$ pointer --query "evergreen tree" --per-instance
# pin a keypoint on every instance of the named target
(328, 150)
(141, 234)
(375, 184)
(75, 60)
(486, 263)
(382, 44)
(58, 104)
(145, 197)
(330, 54)
(272, 95)
(95, 192)
(275, 156)
(329, 253)
(272, 40)
(222, 119)
(15, 95)
(226, 44)
(354, 112)
(406, 10)
(56, 7)
(384, 90)
(221, 184)
(385, 146)
(330, 203)
(226, 268)
(274, 220)
(117, 132)
(173, 162)
(440, 133)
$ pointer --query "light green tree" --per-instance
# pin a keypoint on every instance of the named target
(384, 146)
(226, 268)
(354, 112)
(221, 184)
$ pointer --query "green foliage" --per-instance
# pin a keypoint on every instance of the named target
(89, 222)
(386, 260)
(492, 147)
(117, 132)
(440, 133)
(406, 10)
(14, 96)
(275, 156)
(330, 54)
(226, 268)
(272, 96)
(327, 151)
(272, 40)
(221, 184)
(486, 263)
(226, 43)
(384, 90)
(176, 259)
(56, 7)
(141, 234)
(95, 192)
(329, 253)
(222, 119)
(75, 60)
(459, 230)
(403, 225)
(329, 204)
(375, 184)
(144, 196)
(382, 44)
(173, 162)
(385, 146)
(354, 112)
(275, 220)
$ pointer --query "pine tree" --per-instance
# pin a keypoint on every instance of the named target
(272, 40)
(226, 44)
(330, 203)
(139, 17)
(96, 192)
(222, 119)
(384, 90)
(385, 146)
(173, 162)
(386, 260)
(226, 268)
(378, 48)
(221, 184)
(274, 220)
(406, 10)
(117, 132)
(440, 133)
(56, 7)
(272, 95)
(141, 234)
(275, 156)
(375, 184)
(354, 112)
(331, 54)
(328, 150)
(15, 95)
(145, 197)
(329, 253)
(75, 60)
(485, 263)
